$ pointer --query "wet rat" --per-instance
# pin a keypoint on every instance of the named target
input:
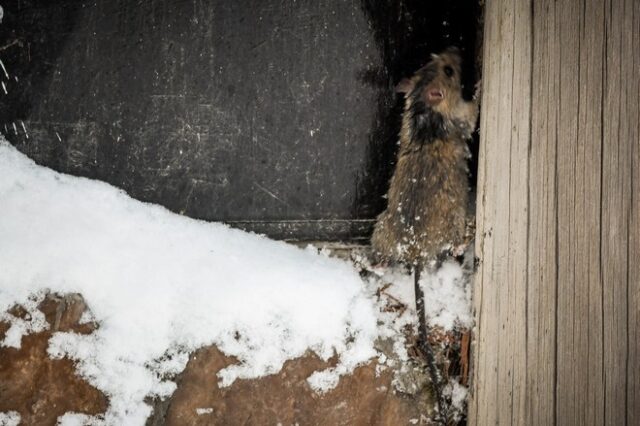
(428, 195)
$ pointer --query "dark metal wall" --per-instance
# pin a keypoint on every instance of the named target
(274, 115)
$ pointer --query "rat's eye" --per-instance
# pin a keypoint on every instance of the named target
(448, 71)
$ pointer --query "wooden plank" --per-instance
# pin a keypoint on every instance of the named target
(497, 266)
(541, 304)
(483, 404)
(590, 135)
(578, 332)
(520, 144)
(574, 291)
(616, 182)
(632, 123)
(506, 118)
(569, 334)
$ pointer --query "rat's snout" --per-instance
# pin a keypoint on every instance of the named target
(433, 95)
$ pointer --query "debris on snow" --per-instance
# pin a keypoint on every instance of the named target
(447, 294)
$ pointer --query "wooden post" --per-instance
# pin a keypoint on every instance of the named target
(557, 292)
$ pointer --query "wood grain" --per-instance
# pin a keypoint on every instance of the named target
(557, 292)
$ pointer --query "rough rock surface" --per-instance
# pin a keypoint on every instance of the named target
(363, 398)
(41, 389)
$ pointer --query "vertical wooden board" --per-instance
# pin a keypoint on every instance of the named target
(483, 399)
(582, 283)
(518, 199)
(541, 304)
(505, 121)
(500, 384)
(497, 266)
(478, 343)
(576, 350)
(579, 333)
(568, 47)
(633, 254)
(616, 169)
(591, 128)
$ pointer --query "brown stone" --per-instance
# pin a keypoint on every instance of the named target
(39, 388)
(362, 398)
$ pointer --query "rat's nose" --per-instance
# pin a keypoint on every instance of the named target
(434, 96)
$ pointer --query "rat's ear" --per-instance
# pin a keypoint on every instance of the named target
(405, 86)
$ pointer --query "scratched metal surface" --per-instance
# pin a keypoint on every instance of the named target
(275, 116)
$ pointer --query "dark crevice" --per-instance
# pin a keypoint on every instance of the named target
(406, 32)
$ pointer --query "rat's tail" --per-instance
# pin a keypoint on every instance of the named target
(425, 348)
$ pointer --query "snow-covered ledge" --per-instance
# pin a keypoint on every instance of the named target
(159, 286)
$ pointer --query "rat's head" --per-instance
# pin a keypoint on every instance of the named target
(433, 92)
(437, 84)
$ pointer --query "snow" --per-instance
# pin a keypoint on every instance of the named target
(77, 419)
(160, 285)
(449, 297)
(32, 323)
(458, 396)
(447, 294)
(11, 418)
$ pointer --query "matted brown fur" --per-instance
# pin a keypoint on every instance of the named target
(428, 195)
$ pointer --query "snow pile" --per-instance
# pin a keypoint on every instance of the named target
(161, 285)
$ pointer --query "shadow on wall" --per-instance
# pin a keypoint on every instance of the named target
(406, 33)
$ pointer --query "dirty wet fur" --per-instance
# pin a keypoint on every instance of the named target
(428, 197)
